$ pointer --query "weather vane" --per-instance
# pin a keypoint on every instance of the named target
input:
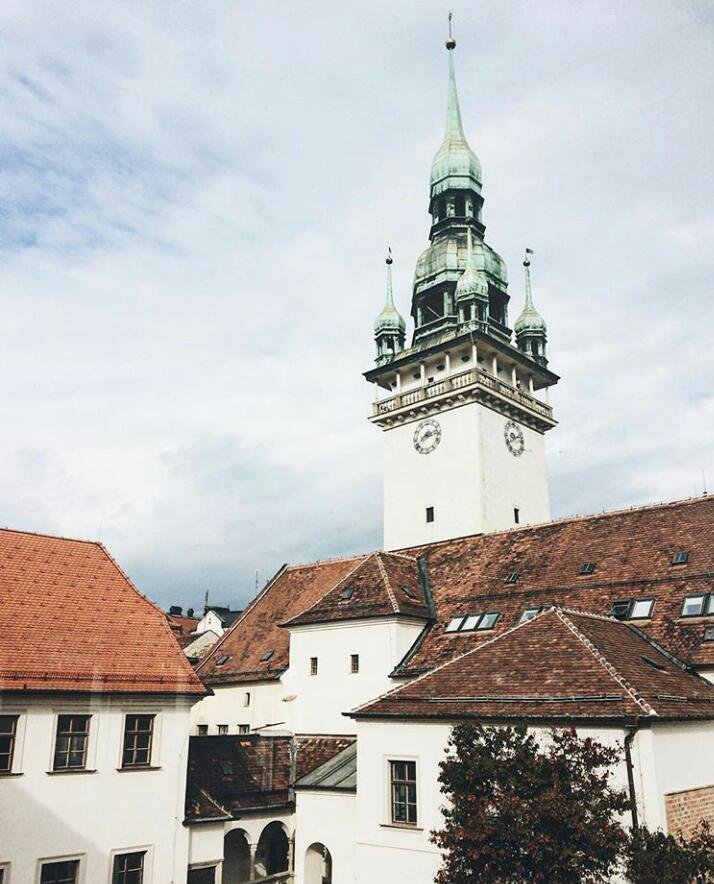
(450, 43)
(527, 260)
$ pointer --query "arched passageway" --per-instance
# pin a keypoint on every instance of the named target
(273, 853)
(236, 857)
(318, 865)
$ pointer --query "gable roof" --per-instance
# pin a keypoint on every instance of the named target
(383, 584)
(632, 551)
(75, 622)
(561, 664)
(257, 631)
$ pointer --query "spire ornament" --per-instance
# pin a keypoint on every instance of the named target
(530, 327)
(389, 328)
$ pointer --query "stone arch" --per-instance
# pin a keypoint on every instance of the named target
(318, 864)
(273, 853)
(236, 857)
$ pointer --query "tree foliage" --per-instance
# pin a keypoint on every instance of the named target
(654, 857)
(520, 811)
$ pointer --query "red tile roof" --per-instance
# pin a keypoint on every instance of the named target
(182, 626)
(75, 622)
(230, 775)
(561, 664)
(258, 630)
(383, 584)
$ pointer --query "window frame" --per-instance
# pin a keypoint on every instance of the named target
(639, 601)
(146, 849)
(679, 557)
(587, 568)
(390, 792)
(14, 736)
(66, 858)
(153, 740)
(222, 730)
(430, 516)
(537, 609)
(246, 699)
(243, 728)
(86, 734)
(201, 730)
(512, 577)
(122, 854)
(707, 604)
(477, 626)
(314, 666)
(354, 664)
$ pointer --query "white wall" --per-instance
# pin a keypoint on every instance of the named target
(471, 479)
(326, 818)
(227, 706)
(319, 700)
(88, 815)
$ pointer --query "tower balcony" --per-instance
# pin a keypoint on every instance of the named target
(474, 384)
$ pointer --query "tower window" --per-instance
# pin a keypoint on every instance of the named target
(354, 663)
(516, 515)
(313, 665)
(430, 514)
(460, 207)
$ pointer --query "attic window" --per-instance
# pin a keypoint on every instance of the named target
(681, 557)
(473, 622)
(512, 577)
(698, 605)
(654, 664)
(223, 659)
(529, 614)
(621, 609)
(587, 568)
(347, 592)
(632, 609)
(266, 655)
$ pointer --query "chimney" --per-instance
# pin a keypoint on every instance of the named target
(189, 612)
(176, 610)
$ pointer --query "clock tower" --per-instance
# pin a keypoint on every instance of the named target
(464, 408)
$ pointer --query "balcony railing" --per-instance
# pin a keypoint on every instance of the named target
(457, 382)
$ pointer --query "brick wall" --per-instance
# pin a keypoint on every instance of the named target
(685, 810)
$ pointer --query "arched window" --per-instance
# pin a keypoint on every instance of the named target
(318, 865)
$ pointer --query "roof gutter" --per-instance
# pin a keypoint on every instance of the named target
(630, 736)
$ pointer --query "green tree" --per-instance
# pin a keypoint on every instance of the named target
(523, 811)
(655, 857)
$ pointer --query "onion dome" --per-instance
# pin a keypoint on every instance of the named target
(472, 282)
(390, 319)
(530, 321)
(455, 164)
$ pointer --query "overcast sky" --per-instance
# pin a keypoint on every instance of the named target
(195, 202)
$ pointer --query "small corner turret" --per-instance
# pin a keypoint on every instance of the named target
(530, 326)
(389, 327)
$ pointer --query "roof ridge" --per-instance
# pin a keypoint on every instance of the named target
(48, 536)
(331, 561)
(685, 501)
(388, 585)
(441, 666)
(604, 662)
(332, 588)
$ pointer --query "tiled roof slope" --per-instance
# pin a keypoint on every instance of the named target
(561, 664)
(632, 550)
(338, 774)
(258, 630)
(231, 775)
(74, 622)
(382, 584)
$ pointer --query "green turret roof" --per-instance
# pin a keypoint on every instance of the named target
(472, 282)
(455, 164)
(390, 319)
(530, 320)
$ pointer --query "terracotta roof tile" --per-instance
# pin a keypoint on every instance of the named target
(74, 622)
(561, 664)
(258, 630)
(383, 584)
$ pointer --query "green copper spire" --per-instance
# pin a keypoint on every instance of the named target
(530, 326)
(389, 327)
(455, 164)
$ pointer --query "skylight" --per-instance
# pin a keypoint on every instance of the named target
(224, 659)
(709, 634)
(347, 592)
(681, 557)
(621, 609)
(266, 655)
(473, 622)
(529, 614)
(409, 592)
(632, 609)
(454, 624)
(696, 606)
(587, 568)
(512, 577)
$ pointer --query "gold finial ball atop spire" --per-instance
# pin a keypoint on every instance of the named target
(389, 259)
(450, 42)
(527, 260)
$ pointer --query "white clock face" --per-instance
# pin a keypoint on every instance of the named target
(427, 436)
(515, 441)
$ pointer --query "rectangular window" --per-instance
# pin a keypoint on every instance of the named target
(246, 698)
(128, 868)
(71, 742)
(65, 872)
(206, 875)
(354, 663)
(243, 728)
(454, 624)
(621, 609)
(587, 568)
(313, 665)
(8, 734)
(430, 514)
(681, 557)
(641, 609)
(222, 729)
(202, 730)
(488, 621)
(693, 606)
(138, 737)
(529, 614)
(471, 622)
(516, 515)
(403, 792)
